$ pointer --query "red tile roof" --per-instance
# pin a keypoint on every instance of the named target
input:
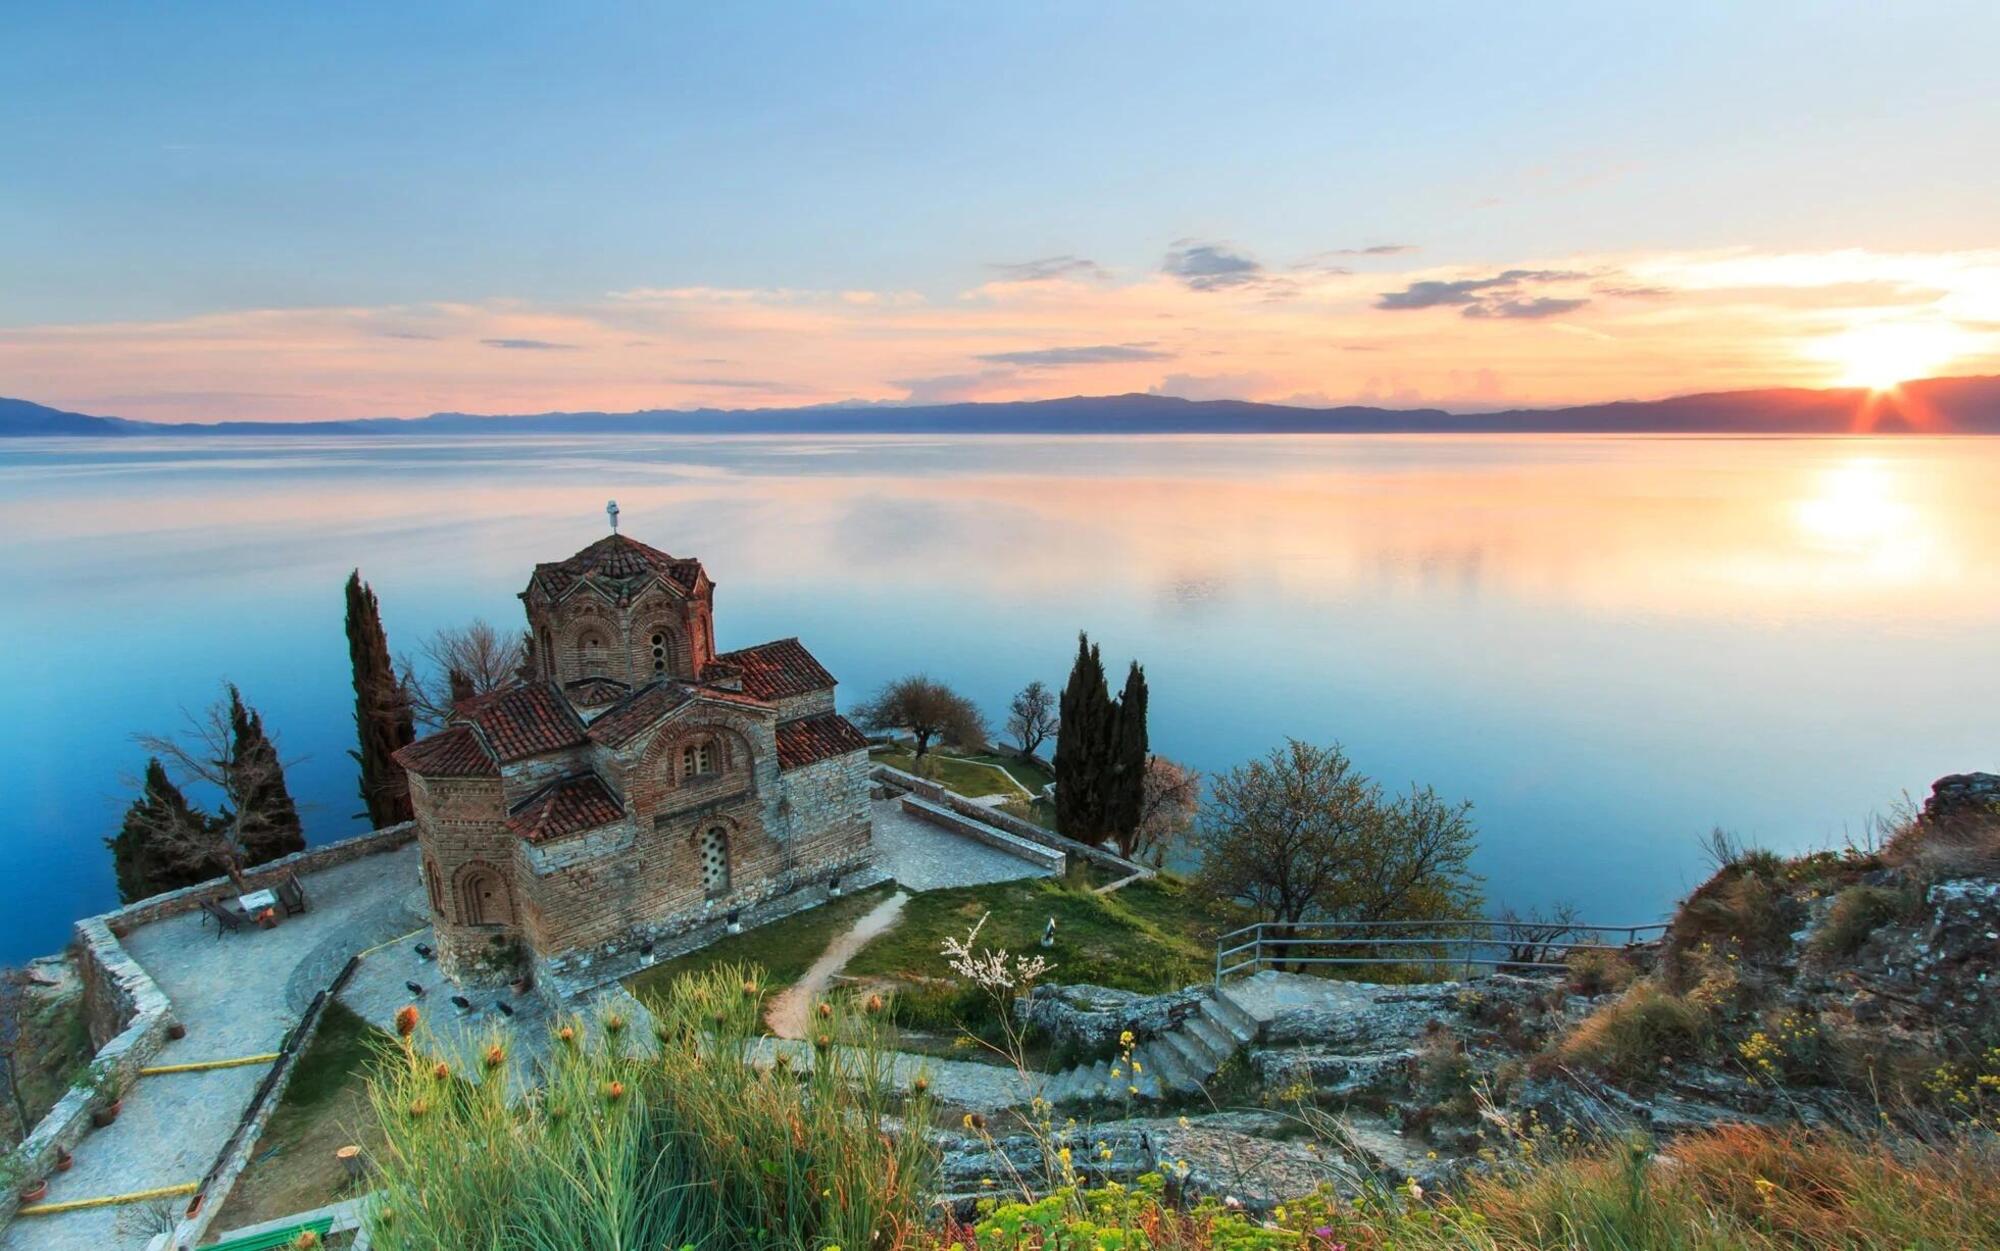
(779, 669)
(623, 565)
(815, 738)
(451, 753)
(524, 720)
(569, 806)
(624, 721)
(594, 691)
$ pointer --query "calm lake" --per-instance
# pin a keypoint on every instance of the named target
(1609, 645)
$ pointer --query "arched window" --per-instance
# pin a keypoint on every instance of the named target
(715, 863)
(592, 657)
(482, 899)
(697, 759)
(662, 650)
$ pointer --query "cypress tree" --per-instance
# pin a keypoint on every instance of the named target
(382, 715)
(1081, 757)
(1125, 786)
(140, 869)
(270, 819)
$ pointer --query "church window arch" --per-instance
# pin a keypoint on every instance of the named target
(482, 896)
(593, 653)
(715, 862)
(699, 759)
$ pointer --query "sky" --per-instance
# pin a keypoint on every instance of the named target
(214, 211)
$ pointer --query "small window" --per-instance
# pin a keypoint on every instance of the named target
(592, 657)
(715, 863)
(659, 653)
(697, 760)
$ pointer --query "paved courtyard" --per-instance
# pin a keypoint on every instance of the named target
(922, 856)
(237, 995)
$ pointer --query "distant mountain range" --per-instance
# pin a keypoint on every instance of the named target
(1931, 406)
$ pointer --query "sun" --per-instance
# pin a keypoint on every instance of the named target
(1883, 354)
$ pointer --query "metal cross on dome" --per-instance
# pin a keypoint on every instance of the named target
(611, 511)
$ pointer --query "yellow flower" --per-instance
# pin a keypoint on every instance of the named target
(1125, 1038)
(1136, 1067)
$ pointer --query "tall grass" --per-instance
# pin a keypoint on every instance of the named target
(632, 1144)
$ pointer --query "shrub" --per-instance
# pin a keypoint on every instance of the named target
(1630, 1036)
(625, 1146)
(1598, 971)
(1743, 908)
(1856, 913)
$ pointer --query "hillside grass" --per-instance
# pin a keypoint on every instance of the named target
(972, 777)
(325, 1107)
(784, 949)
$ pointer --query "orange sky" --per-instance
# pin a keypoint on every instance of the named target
(1524, 331)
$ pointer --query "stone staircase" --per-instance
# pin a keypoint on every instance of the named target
(1174, 1065)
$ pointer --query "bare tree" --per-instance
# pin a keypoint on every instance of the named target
(1539, 937)
(1167, 806)
(459, 663)
(207, 751)
(928, 709)
(1032, 718)
(13, 1038)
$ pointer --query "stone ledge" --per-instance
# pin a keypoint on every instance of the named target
(910, 783)
(981, 831)
(313, 859)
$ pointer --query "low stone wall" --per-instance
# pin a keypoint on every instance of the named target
(979, 830)
(126, 1012)
(128, 1016)
(910, 783)
(269, 874)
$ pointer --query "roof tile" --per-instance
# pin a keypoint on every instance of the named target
(624, 564)
(809, 739)
(524, 720)
(570, 806)
(778, 669)
(450, 753)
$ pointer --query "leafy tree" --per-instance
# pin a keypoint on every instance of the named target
(382, 715)
(1100, 752)
(1032, 718)
(928, 709)
(1083, 756)
(1300, 835)
(1169, 800)
(1125, 795)
(225, 748)
(460, 662)
(142, 868)
(268, 825)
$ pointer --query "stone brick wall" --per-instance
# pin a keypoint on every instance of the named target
(311, 860)
(910, 783)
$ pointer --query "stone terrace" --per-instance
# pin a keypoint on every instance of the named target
(238, 995)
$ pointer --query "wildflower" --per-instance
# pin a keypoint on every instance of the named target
(1137, 1067)
(614, 1091)
(822, 1041)
(974, 1121)
(614, 1024)
(419, 1106)
(1125, 1038)
(568, 1036)
(825, 1011)
(986, 1181)
(921, 1085)
(1184, 1122)
(1233, 1203)
(307, 1240)
(496, 1056)
(874, 1005)
(1131, 1090)
(749, 990)
(406, 1020)
(441, 1070)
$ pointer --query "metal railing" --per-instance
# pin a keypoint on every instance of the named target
(1436, 947)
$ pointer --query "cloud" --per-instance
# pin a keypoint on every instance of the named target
(1048, 268)
(1210, 266)
(1432, 293)
(1374, 249)
(1100, 354)
(408, 334)
(1636, 293)
(1545, 306)
(529, 345)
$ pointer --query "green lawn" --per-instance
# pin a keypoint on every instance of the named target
(325, 1107)
(784, 949)
(1150, 936)
(1026, 772)
(969, 778)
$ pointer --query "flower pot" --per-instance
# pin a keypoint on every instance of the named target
(177, 1031)
(107, 1113)
(64, 1160)
(35, 1192)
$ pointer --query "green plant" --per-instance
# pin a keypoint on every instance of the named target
(1856, 913)
(102, 1079)
(630, 1145)
(1630, 1036)
(1598, 970)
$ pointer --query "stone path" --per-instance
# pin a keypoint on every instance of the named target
(922, 856)
(959, 1083)
(381, 986)
(786, 1015)
(238, 995)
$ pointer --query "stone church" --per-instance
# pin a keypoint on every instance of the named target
(640, 784)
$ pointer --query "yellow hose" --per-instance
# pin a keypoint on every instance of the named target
(203, 1065)
(137, 1196)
